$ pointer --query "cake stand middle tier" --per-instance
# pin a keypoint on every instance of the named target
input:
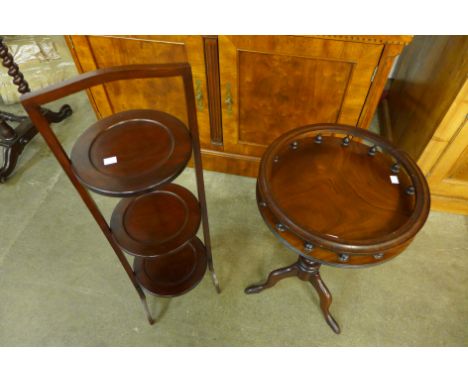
(157, 223)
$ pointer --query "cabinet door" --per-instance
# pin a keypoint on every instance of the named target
(166, 94)
(272, 84)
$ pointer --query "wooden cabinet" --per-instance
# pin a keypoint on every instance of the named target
(250, 89)
(427, 115)
(166, 94)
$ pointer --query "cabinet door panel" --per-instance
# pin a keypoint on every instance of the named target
(272, 84)
(166, 94)
(301, 87)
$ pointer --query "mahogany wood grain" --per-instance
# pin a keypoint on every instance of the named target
(322, 255)
(148, 147)
(389, 54)
(306, 270)
(428, 105)
(339, 197)
(281, 82)
(230, 163)
(174, 274)
(156, 223)
(430, 72)
(32, 103)
(373, 39)
(213, 87)
(167, 94)
(275, 83)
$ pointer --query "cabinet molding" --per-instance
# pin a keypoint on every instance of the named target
(214, 95)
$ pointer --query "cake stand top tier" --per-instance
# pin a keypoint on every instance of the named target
(131, 152)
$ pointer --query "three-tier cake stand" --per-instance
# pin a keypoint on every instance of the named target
(135, 155)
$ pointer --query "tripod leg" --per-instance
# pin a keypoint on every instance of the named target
(273, 278)
(325, 300)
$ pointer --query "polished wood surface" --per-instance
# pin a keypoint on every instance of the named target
(165, 94)
(446, 158)
(306, 270)
(321, 255)
(350, 195)
(156, 223)
(250, 89)
(131, 152)
(213, 87)
(343, 189)
(430, 72)
(373, 39)
(32, 103)
(341, 196)
(281, 82)
(175, 274)
(427, 107)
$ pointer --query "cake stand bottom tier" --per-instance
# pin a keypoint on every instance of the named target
(174, 274)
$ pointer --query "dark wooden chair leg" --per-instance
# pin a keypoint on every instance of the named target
(58, 116)
(10, 158)
(4, 115)
(273, 278)
(325, 300)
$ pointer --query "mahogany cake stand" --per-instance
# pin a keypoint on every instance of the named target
(134, 155)
(340, 196)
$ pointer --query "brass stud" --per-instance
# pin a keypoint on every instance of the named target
(395, 168)
(280, 227)
(372, 151)
(410, 190)
(346, 141)
(319, 139)
(263, 204)
(276, 159)
(308, 246)
(295, 145)
(378, 256)
(344, 257)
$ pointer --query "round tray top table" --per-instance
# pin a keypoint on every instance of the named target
(340, 196)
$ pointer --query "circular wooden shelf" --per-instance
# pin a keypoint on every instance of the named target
(156, 223)
(131, 152)
(345, 191)
(175, 274)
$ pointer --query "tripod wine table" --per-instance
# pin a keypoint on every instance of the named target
(134, 155)
(339, 196)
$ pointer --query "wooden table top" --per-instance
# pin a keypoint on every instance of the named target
(346, 189)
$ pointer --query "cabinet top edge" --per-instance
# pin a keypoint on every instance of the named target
(370, 39)
(373, 39)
